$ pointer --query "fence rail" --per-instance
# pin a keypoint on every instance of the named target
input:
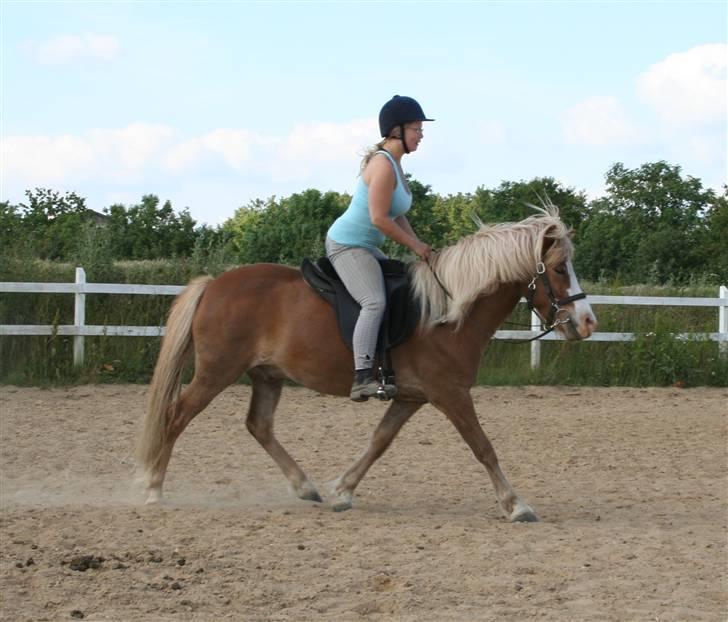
(80, 329)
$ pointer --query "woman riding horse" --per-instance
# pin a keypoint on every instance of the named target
(264, 320)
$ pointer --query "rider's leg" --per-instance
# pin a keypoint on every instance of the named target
(361, 273)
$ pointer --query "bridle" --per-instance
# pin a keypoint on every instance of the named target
(557, 315)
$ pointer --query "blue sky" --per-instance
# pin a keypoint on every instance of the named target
(214, 104)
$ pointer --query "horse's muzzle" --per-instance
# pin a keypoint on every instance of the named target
(580, 326)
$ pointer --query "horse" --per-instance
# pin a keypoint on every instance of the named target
(263, 320)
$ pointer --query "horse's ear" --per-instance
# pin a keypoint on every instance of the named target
(551, 235)
(547, 241)
(554, 231)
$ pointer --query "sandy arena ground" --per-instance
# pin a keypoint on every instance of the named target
(631, 486)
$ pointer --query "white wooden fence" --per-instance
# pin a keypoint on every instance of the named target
(80, 329)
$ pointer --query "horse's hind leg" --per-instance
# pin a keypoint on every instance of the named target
(396, 416)
(192, 401)
(266, 393)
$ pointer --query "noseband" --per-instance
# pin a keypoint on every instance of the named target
(553, 320)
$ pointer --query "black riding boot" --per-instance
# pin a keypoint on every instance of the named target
(366, 386)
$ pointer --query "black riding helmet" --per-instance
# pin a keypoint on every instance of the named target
(398, 111)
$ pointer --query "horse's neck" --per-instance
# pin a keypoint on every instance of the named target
(463, 349)
(489, 312)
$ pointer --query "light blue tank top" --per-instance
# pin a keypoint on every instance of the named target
(354, 227)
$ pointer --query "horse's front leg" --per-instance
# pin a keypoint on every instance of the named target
(458, 406)
(396, 416)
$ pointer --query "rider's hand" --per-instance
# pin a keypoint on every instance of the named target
(423, 250)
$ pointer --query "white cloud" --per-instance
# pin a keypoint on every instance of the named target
(109, 154)
(324, 142)
(599, 121)
(145, 151)
(71, 48)
(131, 148)
(44, 159)
(688, 87)
(311, 148)
(235, 147)
(295, 156)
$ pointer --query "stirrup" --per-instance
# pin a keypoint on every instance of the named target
(386, 392)
(387, 388)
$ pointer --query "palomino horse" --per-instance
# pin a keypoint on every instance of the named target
(264, 320)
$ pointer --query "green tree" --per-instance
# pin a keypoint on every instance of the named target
(11, 226)
(511, 201)
(599, 245)
(242, 228)
(150, 231)
(456, 213)
(52, 223)
(648, 227)
(423, 217)
(712, 244)
(286, 230)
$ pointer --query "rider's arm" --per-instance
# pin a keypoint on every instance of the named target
(402, 221)
(381, 181)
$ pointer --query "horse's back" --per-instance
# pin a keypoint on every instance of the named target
(263, 286)
(259, 298)
(261, 274)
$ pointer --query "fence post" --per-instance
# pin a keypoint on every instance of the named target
(723, 320)
(535, 345)
(79, 317)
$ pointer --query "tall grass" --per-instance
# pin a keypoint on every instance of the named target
(656, 357)
(42, 360)
(651, 360)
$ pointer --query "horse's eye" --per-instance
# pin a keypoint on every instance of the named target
(560, 269)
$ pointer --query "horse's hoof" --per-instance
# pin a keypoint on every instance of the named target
(312, 495)
(306, 491)
(342, 502)
(526, 516)
(154, 498)
(342, 506)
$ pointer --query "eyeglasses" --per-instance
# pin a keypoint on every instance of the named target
(419, 130)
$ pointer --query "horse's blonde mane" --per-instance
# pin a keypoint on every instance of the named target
(478, 263)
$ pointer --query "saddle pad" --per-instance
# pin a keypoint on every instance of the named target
(402, 313)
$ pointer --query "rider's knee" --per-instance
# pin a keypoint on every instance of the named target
(374, 305)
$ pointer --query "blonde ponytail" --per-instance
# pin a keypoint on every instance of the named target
(369, 154)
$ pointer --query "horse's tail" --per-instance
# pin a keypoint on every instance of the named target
(167, 379)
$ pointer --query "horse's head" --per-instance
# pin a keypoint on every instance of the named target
(535, 252)
(554, 292)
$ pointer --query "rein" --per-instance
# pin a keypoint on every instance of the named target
(548, 324)
(437, 279)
